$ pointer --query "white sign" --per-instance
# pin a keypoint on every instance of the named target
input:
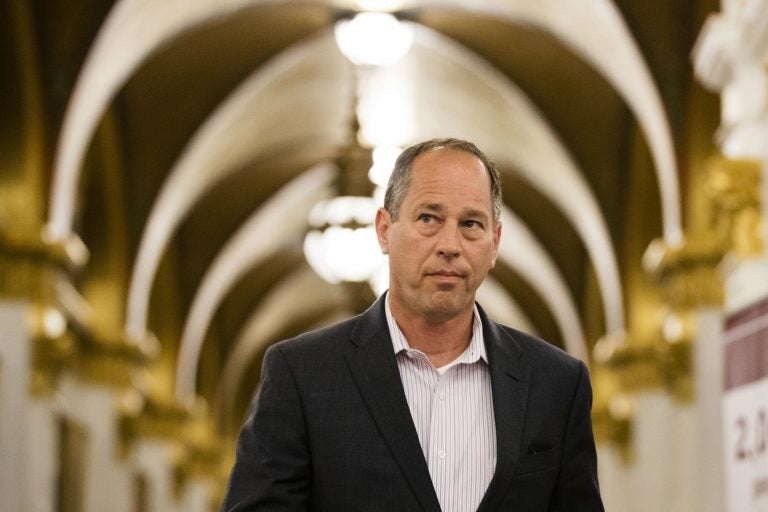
(745, 408)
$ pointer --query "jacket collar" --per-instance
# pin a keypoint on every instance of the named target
(374, 368)
(510, 378)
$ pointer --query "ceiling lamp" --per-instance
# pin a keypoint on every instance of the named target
(342, 245)
(374, 38)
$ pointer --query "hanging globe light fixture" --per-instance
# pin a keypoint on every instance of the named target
(342, 244)
(374, 38)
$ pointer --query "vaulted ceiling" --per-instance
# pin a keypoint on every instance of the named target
(185, 143)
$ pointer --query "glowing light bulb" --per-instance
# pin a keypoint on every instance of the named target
(374, 38)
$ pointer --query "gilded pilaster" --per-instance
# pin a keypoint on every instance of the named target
(732, 189)
(204, 456)
(687, 274)
(143, 416)
(30, 265)
(612, 412)
(200, 453)
(53, 347)
(33, 269)
(112, 362)
(687, 277)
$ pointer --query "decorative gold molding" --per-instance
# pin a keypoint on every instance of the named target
(664, 361)
(53, 348)
(142, 416)
(613, 430)
(624, 367)
(732, 188)
(199, 452)
(204, 457)
(612, 412)
(687, 274)
(689, 277)
(30, 265)
(634, 364)
(114, 363)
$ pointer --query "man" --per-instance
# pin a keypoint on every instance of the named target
(422, 403)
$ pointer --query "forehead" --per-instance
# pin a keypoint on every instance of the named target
(453, 176)
(441, 162)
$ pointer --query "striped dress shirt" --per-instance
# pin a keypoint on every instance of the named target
(452, 410)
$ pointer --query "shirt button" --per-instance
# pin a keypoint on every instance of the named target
(441, 396)
(441, 454)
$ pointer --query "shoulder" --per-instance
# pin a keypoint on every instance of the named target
(541, 353)
(369, 326)
(552, 373)
(331, 338)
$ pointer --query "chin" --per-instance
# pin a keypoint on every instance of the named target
(447, 307)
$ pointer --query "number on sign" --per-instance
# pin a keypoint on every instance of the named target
(752, 435)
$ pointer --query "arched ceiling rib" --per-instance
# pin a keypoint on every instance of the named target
(132, 31)
(500, 306)
(589, 28)
(300, 294)
(542, 148)
(520, 250)
(257, 116)
(256, 239)
(480, 104)
(532, 129)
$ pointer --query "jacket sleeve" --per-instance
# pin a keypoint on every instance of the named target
(577, 486)
(272, 470)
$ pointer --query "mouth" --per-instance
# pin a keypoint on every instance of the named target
(446, 273)
(446, 276)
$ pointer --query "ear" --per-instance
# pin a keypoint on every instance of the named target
(383, 223)
(496, 240)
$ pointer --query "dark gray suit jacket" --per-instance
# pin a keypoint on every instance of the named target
(330, 429)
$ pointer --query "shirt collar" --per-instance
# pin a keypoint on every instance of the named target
(473, 353)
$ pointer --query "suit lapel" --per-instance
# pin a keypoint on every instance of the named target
(510, 377)
(374, 368)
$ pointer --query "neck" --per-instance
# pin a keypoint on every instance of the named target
(442, 341)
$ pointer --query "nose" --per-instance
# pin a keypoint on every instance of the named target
(448, 243)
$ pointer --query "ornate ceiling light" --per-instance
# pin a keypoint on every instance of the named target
(341, 244)
(374, 38)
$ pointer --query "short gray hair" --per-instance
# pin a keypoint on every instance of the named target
(397, 187)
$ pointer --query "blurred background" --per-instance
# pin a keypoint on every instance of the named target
(185, 182)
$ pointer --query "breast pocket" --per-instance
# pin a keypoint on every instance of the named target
(538, 458)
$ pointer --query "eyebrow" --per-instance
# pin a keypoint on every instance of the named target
(437, 207)
(476, 213)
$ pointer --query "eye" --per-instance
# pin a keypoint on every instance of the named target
(426, 218)
(472, 224)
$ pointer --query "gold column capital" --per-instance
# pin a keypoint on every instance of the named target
(687, 273)
(30, 264)
(623, 368)
(145, 416)
(205, 455)
(199, 453)
(63, 251)
(612, 411)
(661, 362)
(54, 347)
(732, 188)
(114, 362)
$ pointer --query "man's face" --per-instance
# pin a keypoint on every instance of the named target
(444, 240)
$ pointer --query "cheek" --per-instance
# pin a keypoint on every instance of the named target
(484, 260)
